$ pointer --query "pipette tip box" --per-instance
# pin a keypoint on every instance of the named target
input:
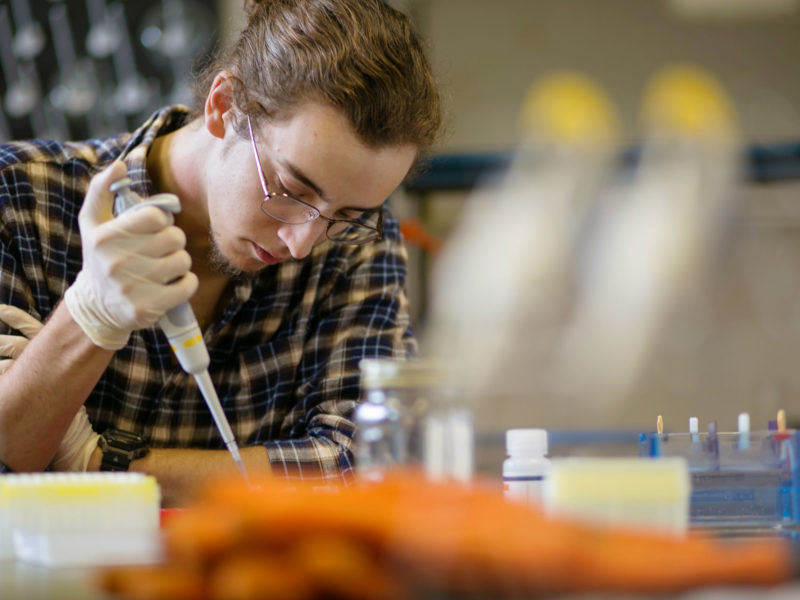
(79, 519)
(620, 491)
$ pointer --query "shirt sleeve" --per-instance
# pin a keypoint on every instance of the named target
(23, 278)
(364, 314)
(18, 244)
(40, 250)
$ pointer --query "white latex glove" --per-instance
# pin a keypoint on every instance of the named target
(80, 440)
(11, 346)
(127, 264)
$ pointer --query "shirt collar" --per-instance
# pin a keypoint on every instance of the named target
(162, 122)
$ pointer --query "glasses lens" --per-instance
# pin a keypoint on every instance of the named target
(292, 211)
(351, 234)
(288, 210)
(364, 230)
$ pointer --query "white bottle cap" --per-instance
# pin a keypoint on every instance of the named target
(526, 441)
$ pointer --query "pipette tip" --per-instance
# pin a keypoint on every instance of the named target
(744, 431)
(694, 429)
(233, 448)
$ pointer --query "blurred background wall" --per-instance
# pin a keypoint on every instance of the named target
(488, 53)
(73, 69)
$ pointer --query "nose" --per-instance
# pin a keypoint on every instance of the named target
(300, 239)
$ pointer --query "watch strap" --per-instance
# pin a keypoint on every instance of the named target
(115, 460)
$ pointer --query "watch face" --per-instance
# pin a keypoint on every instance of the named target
(120, 448)
(123, 440)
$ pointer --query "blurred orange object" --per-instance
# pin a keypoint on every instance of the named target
(165, 514)
(415, 233)
(407, 537)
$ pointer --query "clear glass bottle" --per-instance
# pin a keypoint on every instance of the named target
(448, 436)
(409, 417)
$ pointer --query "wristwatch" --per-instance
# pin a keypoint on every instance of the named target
(120, 448)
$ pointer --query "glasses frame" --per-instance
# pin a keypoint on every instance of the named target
(313, 210)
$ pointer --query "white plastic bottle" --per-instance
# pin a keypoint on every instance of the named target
(527, 465)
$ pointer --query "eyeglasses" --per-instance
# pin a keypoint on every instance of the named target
(292, 211)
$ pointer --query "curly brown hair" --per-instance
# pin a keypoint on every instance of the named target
(359, 56)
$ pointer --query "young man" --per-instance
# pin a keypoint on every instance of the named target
(301, 132)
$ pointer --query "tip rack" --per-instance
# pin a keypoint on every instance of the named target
(744, 480)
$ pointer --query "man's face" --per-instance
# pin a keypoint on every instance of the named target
(313, 156)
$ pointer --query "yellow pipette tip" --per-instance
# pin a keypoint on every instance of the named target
(685, 101)
(567, 107)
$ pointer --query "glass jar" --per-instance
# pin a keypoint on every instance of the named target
(411, 416)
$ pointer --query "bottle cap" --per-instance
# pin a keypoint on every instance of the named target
(526, 441)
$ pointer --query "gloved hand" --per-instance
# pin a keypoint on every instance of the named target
(11, 346)
(135, 267)
(80, 440)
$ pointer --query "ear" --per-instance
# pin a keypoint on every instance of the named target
(218, 102)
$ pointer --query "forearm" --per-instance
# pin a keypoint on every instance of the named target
(43, 390)
(181, 472)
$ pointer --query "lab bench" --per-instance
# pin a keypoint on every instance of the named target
(19, 581)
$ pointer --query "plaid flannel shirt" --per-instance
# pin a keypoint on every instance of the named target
(284, 353)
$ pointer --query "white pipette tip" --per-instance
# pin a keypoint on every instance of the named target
(744, 422)
(694, 429)
(206, 387)
(744, 431)
(233, 448)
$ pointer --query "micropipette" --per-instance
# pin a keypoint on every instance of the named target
(180, 325)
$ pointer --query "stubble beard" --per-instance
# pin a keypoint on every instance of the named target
(220, 263)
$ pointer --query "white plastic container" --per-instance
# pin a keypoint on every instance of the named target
(80, 519)
(527, 466)
(621, 491)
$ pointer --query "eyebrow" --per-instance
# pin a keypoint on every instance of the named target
(306, 180)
